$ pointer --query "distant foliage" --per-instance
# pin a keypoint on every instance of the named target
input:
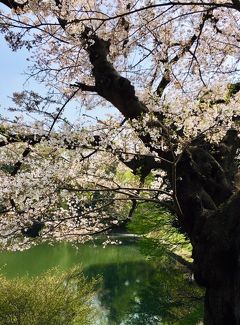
(157, 222)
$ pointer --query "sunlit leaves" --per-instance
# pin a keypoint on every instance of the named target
(53, 298)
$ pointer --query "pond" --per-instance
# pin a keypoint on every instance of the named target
(134, 289)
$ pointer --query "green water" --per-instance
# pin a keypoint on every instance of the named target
(134, 289)
(41, 258)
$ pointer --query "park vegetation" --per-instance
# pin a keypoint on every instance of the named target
(52, 298)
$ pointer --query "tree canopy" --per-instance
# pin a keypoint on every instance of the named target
(171, 70)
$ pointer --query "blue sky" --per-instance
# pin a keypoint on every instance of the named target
(12, 67)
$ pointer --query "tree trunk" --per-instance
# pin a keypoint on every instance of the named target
(221, 306)
(216, 253)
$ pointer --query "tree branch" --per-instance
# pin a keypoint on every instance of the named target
(84, 87)
(108, 82)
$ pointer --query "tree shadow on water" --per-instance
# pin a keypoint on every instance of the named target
(147, 293)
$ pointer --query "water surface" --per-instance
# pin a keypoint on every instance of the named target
(134, 289)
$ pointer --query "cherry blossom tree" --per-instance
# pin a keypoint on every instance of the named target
(171, 69)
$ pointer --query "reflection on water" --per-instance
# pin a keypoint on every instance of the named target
(134, 290)
(122, 295)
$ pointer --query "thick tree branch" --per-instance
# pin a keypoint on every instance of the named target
(118, 90)
(236, 4)
(108, 82)
(10, 137)
(84, 87)
(141, 165)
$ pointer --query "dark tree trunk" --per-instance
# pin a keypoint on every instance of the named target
(216, 256)
(211, 218)
(219, 307)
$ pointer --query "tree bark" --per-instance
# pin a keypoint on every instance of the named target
(216, 254)
(219, 307)
(210, 204)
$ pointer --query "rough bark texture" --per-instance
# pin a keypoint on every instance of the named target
(210, 203)
(216, 262)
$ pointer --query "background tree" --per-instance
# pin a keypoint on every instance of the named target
(171, 69)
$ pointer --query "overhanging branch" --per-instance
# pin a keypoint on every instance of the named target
(109, 84)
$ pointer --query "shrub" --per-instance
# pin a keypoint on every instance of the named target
(53, 298)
